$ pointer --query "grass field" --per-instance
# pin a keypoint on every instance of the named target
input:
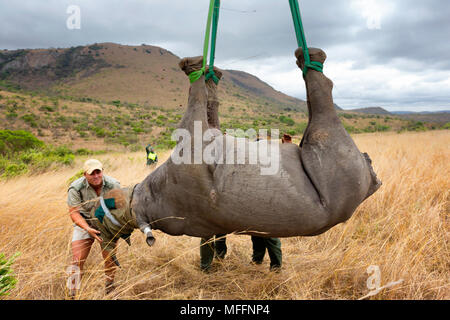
(403, 228)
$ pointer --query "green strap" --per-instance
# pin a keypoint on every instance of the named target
(213, 17)
(194, 76)
(211, 73)
(301, 40)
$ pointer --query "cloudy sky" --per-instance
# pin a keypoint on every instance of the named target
(389, 53)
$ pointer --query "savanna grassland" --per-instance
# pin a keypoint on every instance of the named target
(403, 228)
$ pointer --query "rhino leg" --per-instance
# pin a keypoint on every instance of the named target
(212, 108)
(339, 172)
(198, 97)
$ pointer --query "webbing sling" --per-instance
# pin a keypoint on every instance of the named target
(213, 18)
(301, 40)
(211, 73)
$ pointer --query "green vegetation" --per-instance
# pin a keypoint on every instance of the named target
(21, 152)
(133, 125)
(7, 278)
(17, 141)
(415, 126)
(287, 120)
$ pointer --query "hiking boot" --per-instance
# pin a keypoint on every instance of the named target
(109, 287)
(275, 268)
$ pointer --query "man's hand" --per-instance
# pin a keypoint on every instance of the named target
(79, 221)
(94, 233)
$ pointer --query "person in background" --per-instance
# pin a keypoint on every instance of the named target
(216, 246)
(286, 138)
(152, 157)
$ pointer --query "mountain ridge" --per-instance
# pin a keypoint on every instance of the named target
(142, 74)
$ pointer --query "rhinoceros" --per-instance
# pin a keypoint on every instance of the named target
(300, 190)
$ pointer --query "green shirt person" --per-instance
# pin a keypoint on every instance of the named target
(82, 195)
(216, 247)
(151, 155)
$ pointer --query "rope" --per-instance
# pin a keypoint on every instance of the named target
(301, 40)
(211, 73)
(213, 17)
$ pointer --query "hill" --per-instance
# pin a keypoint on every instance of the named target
(108, 96)
(145, 74)
(371, 110)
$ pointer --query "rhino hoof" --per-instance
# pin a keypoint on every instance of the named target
(150, 241)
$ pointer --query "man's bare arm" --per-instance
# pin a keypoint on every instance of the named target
(78, 219)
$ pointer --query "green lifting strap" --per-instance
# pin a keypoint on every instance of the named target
(211, 73)
(213, 17)
(301, 40)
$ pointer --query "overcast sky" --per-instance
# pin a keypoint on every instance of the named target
(389, 53)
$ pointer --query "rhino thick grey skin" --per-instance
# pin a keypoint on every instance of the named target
(318, 184)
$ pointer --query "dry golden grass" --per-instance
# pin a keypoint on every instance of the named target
(403, 229)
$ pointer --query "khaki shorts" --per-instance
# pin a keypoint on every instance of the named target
(80, 234)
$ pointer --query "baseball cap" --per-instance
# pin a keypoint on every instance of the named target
(91, 165)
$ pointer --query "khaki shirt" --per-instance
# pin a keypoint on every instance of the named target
(82, 195)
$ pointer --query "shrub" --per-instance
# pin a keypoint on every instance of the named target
(7, 277)
(286, 120)
(300, 129)
(382, 128)
(30, 119)
(23, 153)
(47, 108)
(11, 115)
(76, 176)
(415, 126)
(346, 115)
(117, 103)
(83, 152)
(17, 141)
(351, 129)
(14, 169)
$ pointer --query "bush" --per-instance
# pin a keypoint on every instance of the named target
(76, 176)
(30, 119)
(7, 277)
(47, 108)
(17, 141)
(11, 115)
(300, 129)
(23, 153)
(287, 120)
(415, 126)
(351, 129)
(14, 169)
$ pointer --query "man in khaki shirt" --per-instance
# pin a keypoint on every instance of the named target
(82, 195)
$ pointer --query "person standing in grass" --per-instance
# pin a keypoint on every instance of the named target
(82, 194)
(272, 245)
(216, 246)
(151, 155)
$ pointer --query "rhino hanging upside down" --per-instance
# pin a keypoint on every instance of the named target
(314, 187)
